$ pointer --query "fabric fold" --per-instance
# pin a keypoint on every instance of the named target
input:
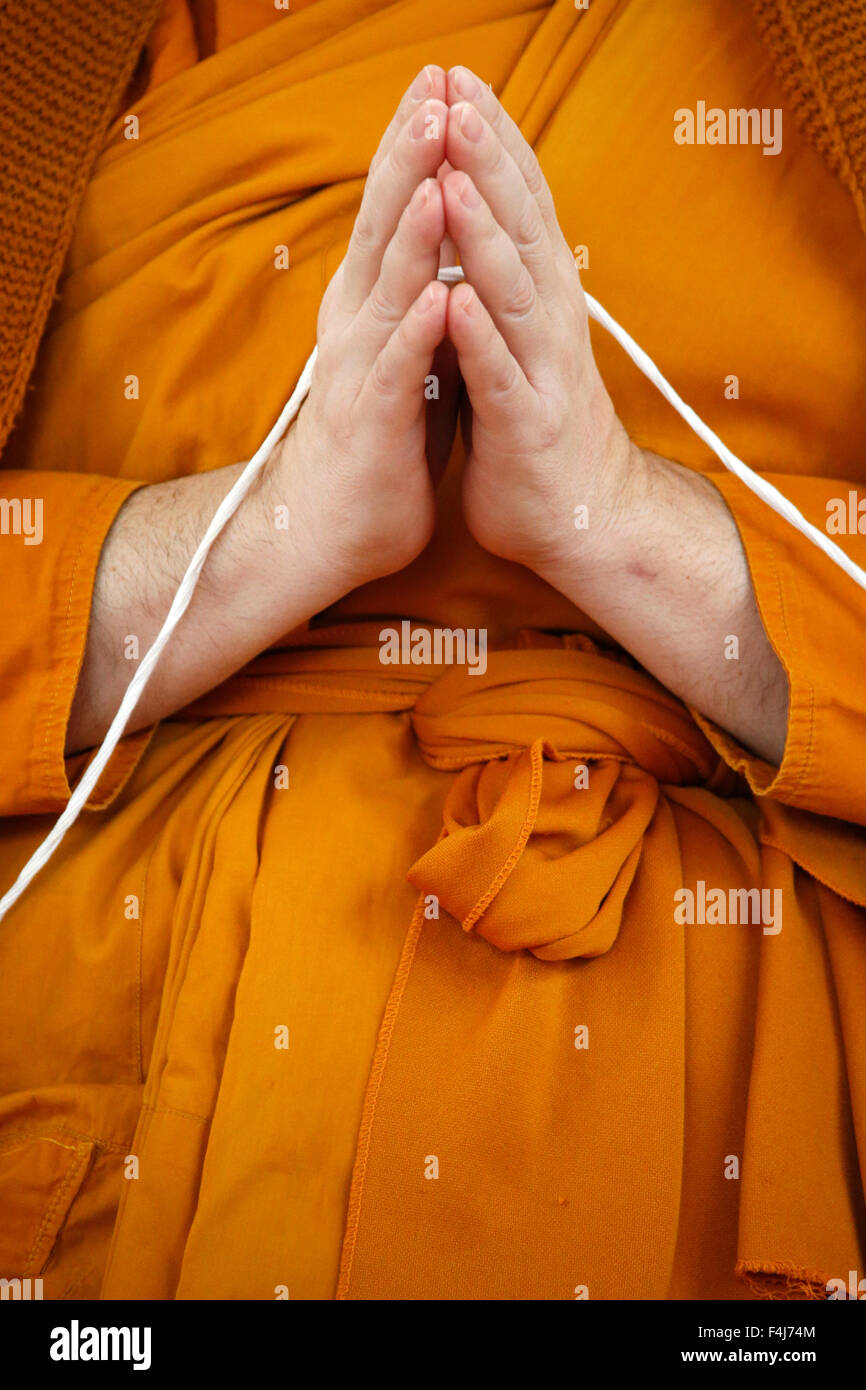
(583, 1094)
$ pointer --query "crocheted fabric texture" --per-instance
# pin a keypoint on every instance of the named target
(64, 65)
(819, 50)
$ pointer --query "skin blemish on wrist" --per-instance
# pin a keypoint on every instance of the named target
(639, 571)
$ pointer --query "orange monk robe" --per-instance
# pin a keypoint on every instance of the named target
(555, 1086)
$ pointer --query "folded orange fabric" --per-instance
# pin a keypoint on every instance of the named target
(378, 973)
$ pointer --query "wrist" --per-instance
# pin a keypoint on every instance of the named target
(353, 515)
(602, 516)
(294, 552)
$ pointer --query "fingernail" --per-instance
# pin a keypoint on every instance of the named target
(466, 84)
(471, 124)
(422, 86)
(469, 193)
(427, 300)
(421, 196)
(419, 127)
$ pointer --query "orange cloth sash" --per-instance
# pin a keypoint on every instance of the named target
(558, 1166)
(542, 867)
(518, 735)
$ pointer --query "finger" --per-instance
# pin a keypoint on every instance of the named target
(464, 85)
(447, 251)
(415, 154)
(492, 264)
(429, 82)
(473, 147)
(410, 261)
(500, 394)
(393, 393)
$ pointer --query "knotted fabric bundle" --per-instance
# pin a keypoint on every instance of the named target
(525, 810)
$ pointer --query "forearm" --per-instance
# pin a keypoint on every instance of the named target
(352, 475)
(260, 580)
(663, 571)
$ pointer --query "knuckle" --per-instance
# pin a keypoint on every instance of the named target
(491, 232)
(380, 306)
(546, 435)
(323, 355)
(328, 363)
(537, 184)
(329, 334)
(505, 380)
(499, 158)
(522, 297)
(495, 117)
(535, 180)
(566, 262)
(383, 380)
(551, 422)
(398, 161)
(364, 234)
(322, 321)
(528, 234)
(334, 288)
(342, 432)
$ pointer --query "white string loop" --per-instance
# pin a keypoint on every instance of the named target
(767, 493)
(450, 275)
(221, 517)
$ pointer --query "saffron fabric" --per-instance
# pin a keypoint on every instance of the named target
(63, 69)
(618, 1103)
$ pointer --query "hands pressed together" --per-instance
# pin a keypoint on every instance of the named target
(659, 567)
(453, 172)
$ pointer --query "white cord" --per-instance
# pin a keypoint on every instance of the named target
(449, 275)
(221, 517)
(769, 494)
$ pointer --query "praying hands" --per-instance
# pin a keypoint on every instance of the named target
(659, 566)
